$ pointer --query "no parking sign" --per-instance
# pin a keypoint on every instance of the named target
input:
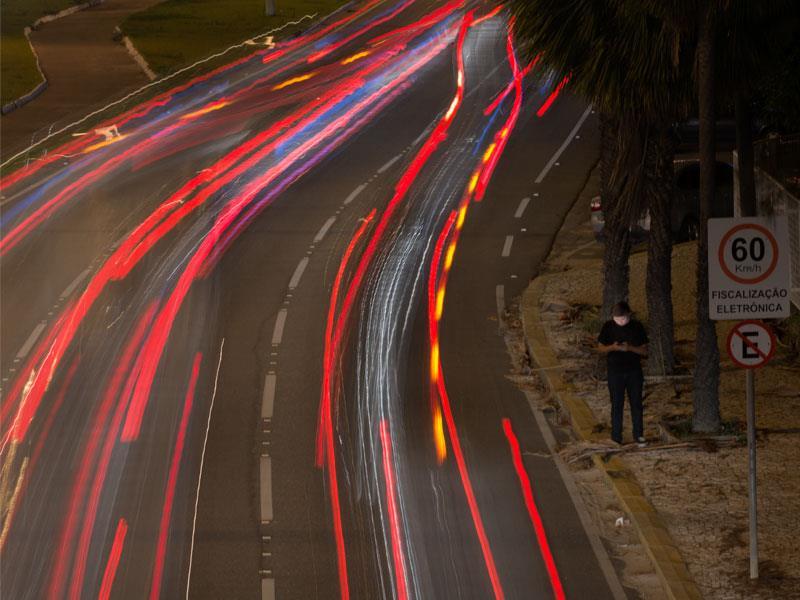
(751, 344)
(748, 268)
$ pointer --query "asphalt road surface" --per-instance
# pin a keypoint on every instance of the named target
(252, 332)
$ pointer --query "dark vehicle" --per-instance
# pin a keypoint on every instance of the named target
(684, 216)
(687, 134)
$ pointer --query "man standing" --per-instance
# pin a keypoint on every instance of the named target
(624, 341)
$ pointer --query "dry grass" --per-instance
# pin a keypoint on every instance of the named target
(701, 494)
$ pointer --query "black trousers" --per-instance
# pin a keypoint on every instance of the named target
(618, 384)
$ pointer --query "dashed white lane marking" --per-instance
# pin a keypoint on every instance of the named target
(73, 286)
(267, 589)
(26, 347)
(280, 323)
(268, 397)
(298, 273)
(500, 297)
(265, 479)
(389, 163)
(321, 233)
(419, 137)
(354, 193)
(507, 246)
(521, 209)
(563, 146)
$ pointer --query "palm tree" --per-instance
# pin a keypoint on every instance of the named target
(732, 41)
(634, 69)
(706, 417)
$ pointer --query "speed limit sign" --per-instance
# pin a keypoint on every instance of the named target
(748, 268)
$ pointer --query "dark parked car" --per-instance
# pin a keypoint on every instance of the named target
(687, 133)
(684, 219)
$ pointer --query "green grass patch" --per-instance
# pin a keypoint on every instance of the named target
(18, 72)
(175, 33)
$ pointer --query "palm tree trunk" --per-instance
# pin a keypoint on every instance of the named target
(744, 150)
(706, 416)
(659, 181)
(616, 274)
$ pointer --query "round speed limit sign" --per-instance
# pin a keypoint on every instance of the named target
(748, 253)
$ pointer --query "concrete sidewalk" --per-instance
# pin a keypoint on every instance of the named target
(84, 67)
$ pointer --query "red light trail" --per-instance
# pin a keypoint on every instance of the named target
(533, 511)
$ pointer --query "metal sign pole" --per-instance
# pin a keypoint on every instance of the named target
(751, 447)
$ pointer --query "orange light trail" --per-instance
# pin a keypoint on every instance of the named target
(102, 144)
(214, 106)
(439, 440)
(293, 80)
(355, 57)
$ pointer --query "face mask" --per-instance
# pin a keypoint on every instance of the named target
(622, 321)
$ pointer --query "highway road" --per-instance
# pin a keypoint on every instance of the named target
(253, 329)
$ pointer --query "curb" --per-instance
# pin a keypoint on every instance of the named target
(41, 86)
(38, 88)
(651, 529)
(137, 56)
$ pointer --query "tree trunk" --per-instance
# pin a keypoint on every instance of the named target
(706, 416)
(659, 181)
(616, 229)
(744, 150)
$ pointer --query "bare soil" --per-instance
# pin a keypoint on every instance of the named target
(700, 490)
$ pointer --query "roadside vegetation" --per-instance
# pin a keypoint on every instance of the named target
(18, 72)
(647, 65)
(175, 33)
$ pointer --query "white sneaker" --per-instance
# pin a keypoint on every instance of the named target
(641, 442)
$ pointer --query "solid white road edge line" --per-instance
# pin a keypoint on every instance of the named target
(563, 146)
(298, 273)
(280, 322)
(321, 234)
(200, 474)
(26, 347)
(523, 204)
(354, 193)
(268, 397)
(507, 246)
(265, 487)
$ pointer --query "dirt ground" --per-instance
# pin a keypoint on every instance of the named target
(701, 490)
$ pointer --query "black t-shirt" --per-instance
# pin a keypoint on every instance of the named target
(634, 334)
